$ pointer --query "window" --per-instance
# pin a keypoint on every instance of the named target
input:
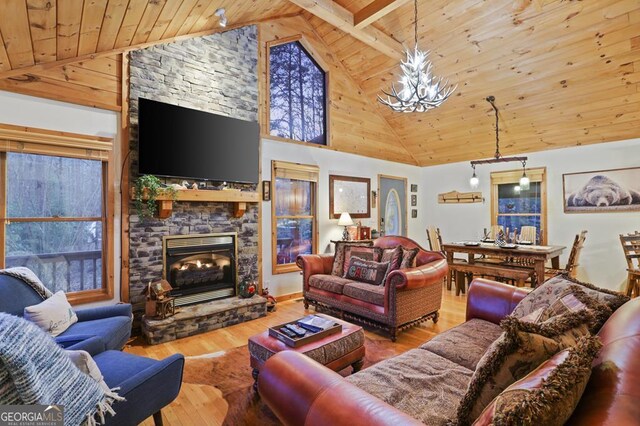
(297, 87)
(513, 207)
(53, 213)
(293, 214)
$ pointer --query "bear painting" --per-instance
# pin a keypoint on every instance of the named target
(611, 190)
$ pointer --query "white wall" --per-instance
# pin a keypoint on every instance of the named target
(330, 162)
(42, 113)
(601, 263)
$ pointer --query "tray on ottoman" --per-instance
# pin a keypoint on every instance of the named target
(336, 351)
(309, 337)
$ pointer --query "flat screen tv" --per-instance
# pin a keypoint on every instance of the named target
(181, 142)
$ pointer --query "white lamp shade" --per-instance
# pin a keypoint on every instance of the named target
(345, 219)
(524, 183)
(474, 182)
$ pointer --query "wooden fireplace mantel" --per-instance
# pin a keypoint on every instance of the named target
(238, 198)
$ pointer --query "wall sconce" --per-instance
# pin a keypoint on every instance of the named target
(223, 19)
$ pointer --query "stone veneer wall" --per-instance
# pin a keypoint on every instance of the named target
(217, 74)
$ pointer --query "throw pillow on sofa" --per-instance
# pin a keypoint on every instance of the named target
(365, 253)
(367, 271)
(394, 257)
(54, 315)
(549, 394)
(338, 259)
(409, 257)
(521, 348)
(546, 294)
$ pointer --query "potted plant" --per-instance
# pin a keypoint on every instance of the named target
(145, 195)
(374, 234)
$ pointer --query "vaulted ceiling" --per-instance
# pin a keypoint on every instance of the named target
(564, 73)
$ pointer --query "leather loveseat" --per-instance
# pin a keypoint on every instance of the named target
(408, 296)
(324, 397)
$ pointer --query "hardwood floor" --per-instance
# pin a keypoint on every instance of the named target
(203, 405)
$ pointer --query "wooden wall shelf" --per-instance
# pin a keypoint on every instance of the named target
(239, 198)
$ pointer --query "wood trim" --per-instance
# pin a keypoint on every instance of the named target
(333, 179)
(89, 296)
(406, 198)
(375, 10)
(267, 92)
(3, 206)
(9, 132)
(260, 185)
(285, 297)
(124, 182)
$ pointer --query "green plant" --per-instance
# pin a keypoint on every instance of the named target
(146, 191)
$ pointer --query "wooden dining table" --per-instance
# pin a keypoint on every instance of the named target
(534, 255)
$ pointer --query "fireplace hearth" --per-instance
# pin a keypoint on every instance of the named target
(200, 267)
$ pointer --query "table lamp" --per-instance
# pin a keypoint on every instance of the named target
(345, 220)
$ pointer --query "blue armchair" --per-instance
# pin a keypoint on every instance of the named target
(147, 384)
(111, 324)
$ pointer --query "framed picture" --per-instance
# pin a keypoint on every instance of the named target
(414, 213)
(349, 194)
(414, 200)
(602, 191)
(414, 187)
(266, 190)
(392, 209)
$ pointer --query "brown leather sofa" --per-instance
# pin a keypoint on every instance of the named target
(408, 296)
(612, 395)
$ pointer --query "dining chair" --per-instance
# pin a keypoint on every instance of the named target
(528, 233)
(435, 239)
(631, 247)
(572, 262)
(495, 230)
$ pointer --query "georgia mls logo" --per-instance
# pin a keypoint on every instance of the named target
(31, 415)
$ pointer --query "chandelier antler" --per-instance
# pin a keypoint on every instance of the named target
(420, 90)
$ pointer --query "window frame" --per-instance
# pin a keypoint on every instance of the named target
(310, 170)
(538, 174)
(70, 145)
(317, 59)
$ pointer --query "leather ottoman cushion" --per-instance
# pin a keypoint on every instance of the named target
(329, 283)
(420, 383)
(466, 343)
(366, 292)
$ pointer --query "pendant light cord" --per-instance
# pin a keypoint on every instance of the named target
(415, 22)
(491, 100)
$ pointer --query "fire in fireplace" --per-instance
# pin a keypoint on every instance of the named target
(200, 267)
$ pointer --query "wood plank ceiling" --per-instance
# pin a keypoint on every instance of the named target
(564, 73)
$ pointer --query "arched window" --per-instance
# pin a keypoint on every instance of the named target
(297, 95)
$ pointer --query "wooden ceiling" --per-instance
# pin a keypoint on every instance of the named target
(564, 73)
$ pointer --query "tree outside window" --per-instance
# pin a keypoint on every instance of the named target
(297, 88)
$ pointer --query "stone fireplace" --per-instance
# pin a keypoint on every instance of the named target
(200, 267)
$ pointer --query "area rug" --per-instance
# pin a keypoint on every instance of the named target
(229, 372)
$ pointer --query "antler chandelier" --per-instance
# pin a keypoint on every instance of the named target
(474, 182)
(420, 90)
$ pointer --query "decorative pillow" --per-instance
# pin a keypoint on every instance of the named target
(365, 253)
(366, 271)
(394, 257)
(546, 294)
(519, 350)
(338, 260)
(86, 364)
(54, 315)
(574, 299)
(408, 257)
(549, 394)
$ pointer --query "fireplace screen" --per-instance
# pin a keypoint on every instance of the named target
(201, 267)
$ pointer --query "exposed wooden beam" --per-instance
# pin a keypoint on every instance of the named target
(341, 18)
(34, 69)
(376, 10)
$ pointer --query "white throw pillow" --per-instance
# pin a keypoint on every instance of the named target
(88, 366)
(54, 315)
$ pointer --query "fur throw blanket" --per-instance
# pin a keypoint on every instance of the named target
(34, 370)
(26, 275)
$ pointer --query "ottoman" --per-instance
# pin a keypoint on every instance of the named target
(336, 351)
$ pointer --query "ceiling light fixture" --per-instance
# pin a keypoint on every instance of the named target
(223, 19)
(498, 158)
(420, 90)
